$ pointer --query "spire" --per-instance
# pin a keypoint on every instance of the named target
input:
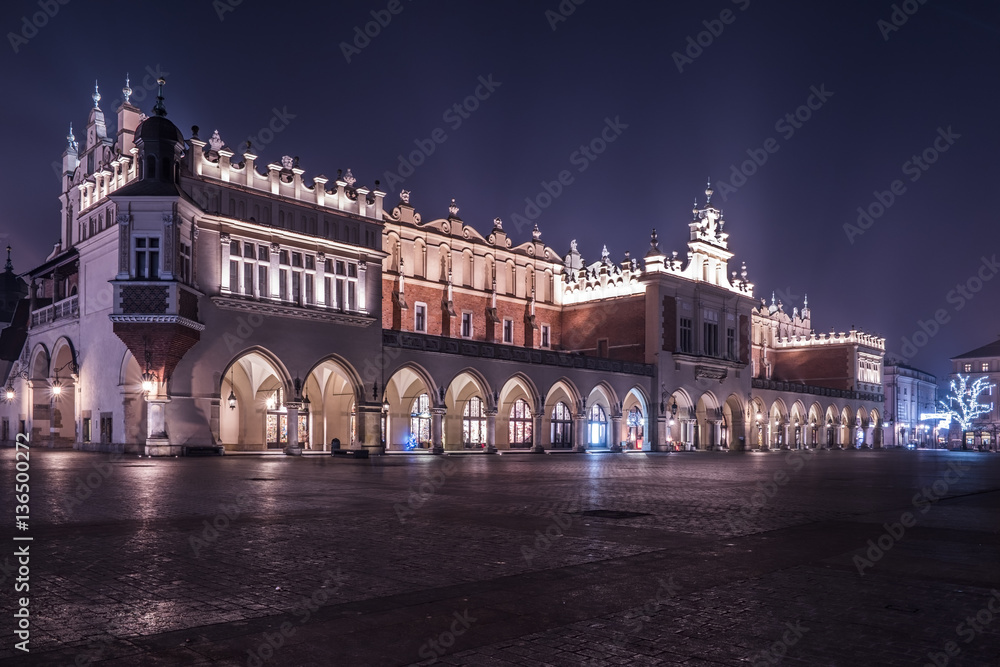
(96, 96)
(805, 302)
(127, 90)
(71, 140)
(772, 297)
(9, 267)
(158, 108)
(709, 192)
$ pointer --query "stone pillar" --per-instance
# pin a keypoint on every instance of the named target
(369, 425)
(661, 443)
(292, 447)
(224, 276)
(157, 441)
(616, 433)
(687, 433)
(536, 434)
(580, 431)
(437, 417)
(491, 431)
(717, 433)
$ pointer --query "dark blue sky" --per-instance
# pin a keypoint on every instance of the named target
(556, 89)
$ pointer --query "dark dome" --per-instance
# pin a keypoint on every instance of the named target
(158, 128)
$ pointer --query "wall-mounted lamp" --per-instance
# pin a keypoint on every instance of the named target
(232, 396)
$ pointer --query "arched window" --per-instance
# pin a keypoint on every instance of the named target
(634, 423)
(597, 426)
(562, 426)
(474, 424)
(420, 420)
(519, 428)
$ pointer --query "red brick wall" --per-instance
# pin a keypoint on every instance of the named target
(622, 321)
(433, 294)
(820, 366)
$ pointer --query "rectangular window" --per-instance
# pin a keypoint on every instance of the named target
(263, 254)
(309, 289)
(985, 367)
(602, 347)
(296, 285)
(341, 268)
(545, 335)
(340, 293)
(248, 250)
(328, 291)
(730, 343)
(686, 338)
(352, 295)
(968, 368)
(234, 276)
(297, 259)
(420, 318)
(283, 284)
(248, 278)
(352, 270)
(466, 325)
(711, 340)
(147, 257)
(310, 262)
(263, 286)
(508, 331)
(283, 257)
(185, 262)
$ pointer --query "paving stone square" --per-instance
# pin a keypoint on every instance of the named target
(703, 558)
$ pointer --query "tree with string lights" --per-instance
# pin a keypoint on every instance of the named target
(966, 399)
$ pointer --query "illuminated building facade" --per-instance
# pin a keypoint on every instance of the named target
(909, 395)
(202, 299)
(983, 432)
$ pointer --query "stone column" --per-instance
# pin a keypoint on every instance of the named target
(717, 433)
(580, 431)
(292, 447)
(536, 434)
(491, 431)
(661, 442)
(616, 433)
(437, 417)
(687, 433)
(224, 276)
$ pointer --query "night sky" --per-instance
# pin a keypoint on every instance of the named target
(887, 95)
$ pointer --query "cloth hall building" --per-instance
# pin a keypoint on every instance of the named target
(204, 299)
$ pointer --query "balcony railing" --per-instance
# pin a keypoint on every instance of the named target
(60, 310)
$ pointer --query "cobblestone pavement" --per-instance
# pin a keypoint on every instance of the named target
(729, 559)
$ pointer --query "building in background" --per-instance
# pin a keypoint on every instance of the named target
(202, 298)
(982, 432)
(911, 394)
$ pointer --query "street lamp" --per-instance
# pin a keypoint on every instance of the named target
(232, 395)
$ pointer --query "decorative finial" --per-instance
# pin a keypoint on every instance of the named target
(497, 223)
(694, 209)
(572, 246)
(605, 254)
(743, 271)
(127, 90)
(349, 178)
(158, 108)
(96, 96)
(805, 302)
(772, 297)
(536, 233)
(453, 209)
(71, 139)
(709, 191)
(9, 267)
(287, 162)
(654, 242)
(404, 196)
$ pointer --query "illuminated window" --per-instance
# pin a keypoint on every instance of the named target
(968, 368)
(466, 325)
(562, 426)
(519, 427)
(420, 420)
(420, 317)
(545, 335)
(597, 426)
(508, 331)
(474, 424)
(985, 367)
